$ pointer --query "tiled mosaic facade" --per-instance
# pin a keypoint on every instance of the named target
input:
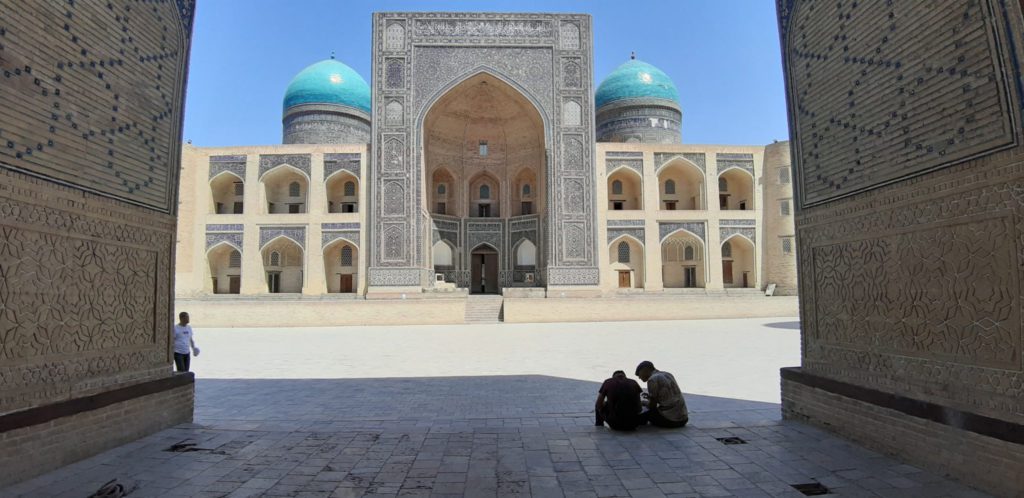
(912, 213)
(415, 63)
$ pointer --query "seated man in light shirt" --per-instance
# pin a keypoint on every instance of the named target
(665, 404)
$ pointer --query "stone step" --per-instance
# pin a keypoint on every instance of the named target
(484, 309)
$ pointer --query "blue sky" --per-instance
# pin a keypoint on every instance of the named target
(722, 54)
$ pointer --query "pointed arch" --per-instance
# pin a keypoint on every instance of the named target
(630, 197)
(223, 243)
(342, 188)
(482, 70)
(632, 272)
(281, 236)
(681, 185)
(525, 253)
(229, 173)
(739, 267)
(282, 167)
(443, 255)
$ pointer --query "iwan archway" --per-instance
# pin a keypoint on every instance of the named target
(472, 147)
(485, 179)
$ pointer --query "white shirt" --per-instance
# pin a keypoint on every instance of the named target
(182, 338)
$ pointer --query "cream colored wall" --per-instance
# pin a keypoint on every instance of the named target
(652, 307)
(779, 268)
(652, 212)
(299, 312)
(195, 206)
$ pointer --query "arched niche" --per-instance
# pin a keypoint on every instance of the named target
(681, 186)
(627, 263)
(484, 131)
(682, 261)
(625, 190)
(224, 263)
(342, 193)
(341, 266)
(285, 190)
(283, 263)
(226, 194)
(735, 190)
(738, 262)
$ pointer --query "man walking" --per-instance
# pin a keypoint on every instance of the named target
(184, 343)
(618, 403)
(665, 406)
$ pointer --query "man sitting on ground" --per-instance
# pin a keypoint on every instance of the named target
(618, 403)
(665, 406)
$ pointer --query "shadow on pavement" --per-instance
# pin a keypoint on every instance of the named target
(516, 399)
(784, 325)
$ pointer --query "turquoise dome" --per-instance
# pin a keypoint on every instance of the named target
(636, 79)
(328, 82)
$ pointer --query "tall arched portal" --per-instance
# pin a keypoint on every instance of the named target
(484, 160)
(486, 141)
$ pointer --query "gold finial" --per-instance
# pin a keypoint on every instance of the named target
(332, 54)
(632, 55)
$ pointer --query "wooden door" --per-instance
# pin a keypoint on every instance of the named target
(624, 281)
(491, 273)
(745, 285)
(234, 284)
(476, 276)
(727, 272)
(346, 284)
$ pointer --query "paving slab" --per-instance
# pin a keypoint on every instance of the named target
(487, 410)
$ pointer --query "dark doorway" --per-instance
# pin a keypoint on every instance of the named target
(346, 284)
(234, 284)
(690, 276)
(484, 271)
(727, 272)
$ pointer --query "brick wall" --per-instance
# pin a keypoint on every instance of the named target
(33, 450)
(908, 182)
(91, 135)
(995, 465)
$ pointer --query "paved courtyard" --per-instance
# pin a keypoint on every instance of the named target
(486, 410)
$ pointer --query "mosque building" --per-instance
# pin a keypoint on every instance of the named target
(479, 159)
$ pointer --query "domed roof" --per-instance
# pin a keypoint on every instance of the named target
(328, 82)
(636, 79)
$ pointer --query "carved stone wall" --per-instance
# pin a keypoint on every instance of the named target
(417, 58)
(910, 221)
(89, 157)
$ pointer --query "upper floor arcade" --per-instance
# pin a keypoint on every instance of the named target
(673, 180)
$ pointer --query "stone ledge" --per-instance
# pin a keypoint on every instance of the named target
(46, 413)
(979, 424)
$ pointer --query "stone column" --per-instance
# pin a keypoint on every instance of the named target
(254, 279)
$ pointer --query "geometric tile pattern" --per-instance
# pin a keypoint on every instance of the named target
(725, 161)
(879, 101)
(337, 162)
(296, 234)
(96, 107)
(698, 158)
(297, 161)
(667, 228)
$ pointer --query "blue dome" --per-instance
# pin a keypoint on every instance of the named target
(328, 82)
(636, 79)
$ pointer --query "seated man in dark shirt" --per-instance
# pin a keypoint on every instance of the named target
(618, 403)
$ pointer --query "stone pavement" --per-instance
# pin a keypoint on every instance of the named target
(342, 412)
